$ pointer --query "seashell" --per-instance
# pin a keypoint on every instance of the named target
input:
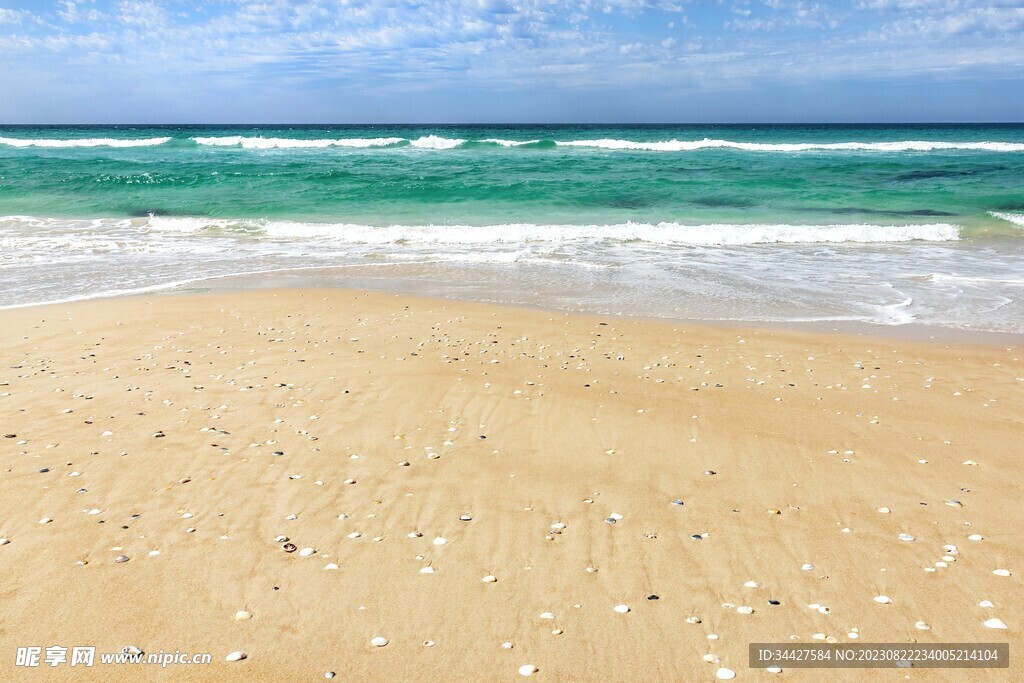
(131, 650)
(427, 570)
(773, 601)
(289, 547)
(677, 501)
(350, 481)
(354, 534)
(995, 623)
(884, 510)
(489, 579)
(45, 520)
(774, 511)
(187, 515)
(306, 552)
(975, 537)
(414, 534)
(329, 674)
(692, 620)
(906, 537)
(591, 570)
(242, 615)
(465, 518)
(378, 641)
(610, 520)
(744, 609)
(507, 645)
(120, 559)
(751, 584)
(295, 476)
(291, 518)
(922, 626)
(4, 541)
(616, 516)
(710, 658)
(970, 462)
(807, 567)
(281, 539)
(440, 540)
(882, 599)
(1001, 572)
(621, 609)
(404, 463)
(330, 566)
(724, 674)
(236, 656)
(954, 503)
(557, 632)
(558, 525)
(547, 615)
(528, 670)
(986, 603)
(774, 669)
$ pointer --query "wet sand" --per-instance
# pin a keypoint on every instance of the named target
(410, 448)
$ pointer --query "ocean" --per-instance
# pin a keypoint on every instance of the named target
(876, 224)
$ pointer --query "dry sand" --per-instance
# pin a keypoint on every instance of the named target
(204, 427)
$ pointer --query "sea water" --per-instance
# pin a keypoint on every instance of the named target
(877, 224)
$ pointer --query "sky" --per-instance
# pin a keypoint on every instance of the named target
(478, 61)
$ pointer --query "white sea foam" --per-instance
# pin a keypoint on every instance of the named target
(1015, 218)
(509, 143)
(83, 142)
(661, 233)
(435, 142)
(293, 143)
(706, 143)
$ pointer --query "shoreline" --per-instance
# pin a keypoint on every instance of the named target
(764, 485)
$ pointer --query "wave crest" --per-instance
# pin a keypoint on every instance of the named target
(84, 142)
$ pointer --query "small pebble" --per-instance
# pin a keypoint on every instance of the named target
(242, 615)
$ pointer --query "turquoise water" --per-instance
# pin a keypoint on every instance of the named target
(885, 224)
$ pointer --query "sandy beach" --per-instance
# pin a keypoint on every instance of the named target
(487, 488)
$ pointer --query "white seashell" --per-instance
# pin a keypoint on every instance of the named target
(414, 534)
(724, 674)
(350, 481)
(489, 579)
(906, 537)
(922, 626)
(853, 635)
(242, 615)
(291, 518)
(557, 632)
(616, 516)
(995, 623)
(354, 534)
(975, 537)
(45, 520)
(710, 658)
(621, 609)
(465, 518)
(306, 552)
(591, 570)
(329, 674)
(883, 599)
(528, 670)
(235, 656)
(378, 641)
(4, 541)
(427, 570)
(807, 567)
(986, 603)
(751, 584)
(440, 540)
(884, 510)
(120, 559)
(428, 643)
(824, 610)
(131, 650)
(281, 539)
(744, 609)
(507, 645)
(547, 615)
(819, 636)
(558, 525)
(295, 476)
(692, 620)
(330, 566)
(1001, 572)
(954, 503)
(774, 669)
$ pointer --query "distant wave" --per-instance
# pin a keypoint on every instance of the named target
(661, 233)
(1015, 218)
(437, 142)
(84, 142)
(293, 143)
(440, 143)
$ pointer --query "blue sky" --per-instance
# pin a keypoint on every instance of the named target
(181, 61)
